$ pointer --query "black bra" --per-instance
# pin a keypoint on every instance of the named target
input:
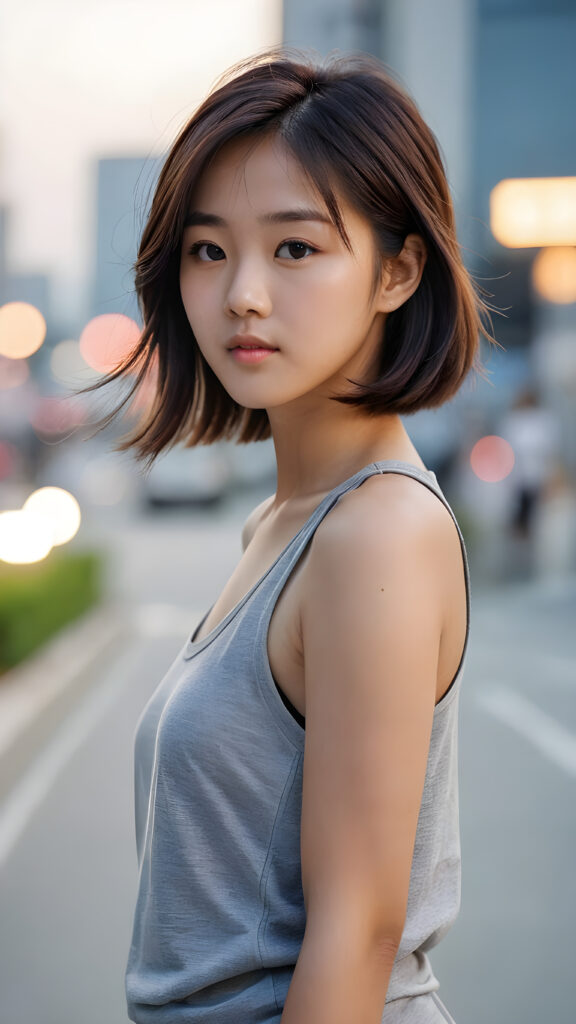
(293, 711)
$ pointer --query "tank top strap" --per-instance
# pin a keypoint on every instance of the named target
(284, 566)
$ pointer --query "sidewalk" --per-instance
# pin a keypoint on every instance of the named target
(37, 695)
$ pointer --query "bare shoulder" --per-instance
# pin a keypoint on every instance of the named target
(254, 519)
(390, 515)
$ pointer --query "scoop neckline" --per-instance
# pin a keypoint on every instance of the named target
(193, 647)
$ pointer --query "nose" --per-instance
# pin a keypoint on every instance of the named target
(248, 290)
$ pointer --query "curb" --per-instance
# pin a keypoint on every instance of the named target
(36, 696)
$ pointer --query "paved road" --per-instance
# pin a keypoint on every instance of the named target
(67, 843)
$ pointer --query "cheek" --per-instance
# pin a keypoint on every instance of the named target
(338, 298)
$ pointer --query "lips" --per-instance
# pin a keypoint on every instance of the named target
(249, 342)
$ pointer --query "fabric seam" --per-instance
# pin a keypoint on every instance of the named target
(263, 884)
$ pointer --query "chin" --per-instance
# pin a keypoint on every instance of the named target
(257, 397)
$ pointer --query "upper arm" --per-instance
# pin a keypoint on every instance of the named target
(371, 624)
(253, 520)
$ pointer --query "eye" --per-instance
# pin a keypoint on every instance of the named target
(296, 250)
(207, 252)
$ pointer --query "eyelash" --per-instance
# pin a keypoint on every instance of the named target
(194, 249)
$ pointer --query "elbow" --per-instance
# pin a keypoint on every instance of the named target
(383, 939)
(385, 945)
(383, 935)
(355, 936)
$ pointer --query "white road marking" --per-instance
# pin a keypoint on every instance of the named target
(551, 738)
(32, 788)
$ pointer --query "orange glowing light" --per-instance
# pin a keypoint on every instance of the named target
(554, 274)
(534, 212)
(22, 330)
(492, 458)
(107, 340)
(13, 373)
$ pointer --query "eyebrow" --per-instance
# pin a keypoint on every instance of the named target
(196, 218)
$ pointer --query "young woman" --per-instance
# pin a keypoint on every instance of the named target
(296, 769)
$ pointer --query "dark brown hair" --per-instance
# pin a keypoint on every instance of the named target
(355, 132)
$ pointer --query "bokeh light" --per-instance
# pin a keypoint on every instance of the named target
(107, 340)
(59, 509)
(68, 365)
(13, 373)
(534, 212)
(22, 329)
(554, 274)
(25, 536)
(492, 458)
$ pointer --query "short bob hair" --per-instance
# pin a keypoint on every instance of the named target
(355, 133)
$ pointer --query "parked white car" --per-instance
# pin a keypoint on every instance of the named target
(189, 476)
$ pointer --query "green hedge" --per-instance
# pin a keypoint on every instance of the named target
(38, 600)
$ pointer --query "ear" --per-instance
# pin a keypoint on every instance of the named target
(402, 274)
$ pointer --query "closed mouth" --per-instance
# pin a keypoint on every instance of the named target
(251, 343)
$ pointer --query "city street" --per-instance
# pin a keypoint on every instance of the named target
(67, 851)
(208, 211)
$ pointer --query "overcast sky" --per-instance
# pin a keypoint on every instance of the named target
(81, 79)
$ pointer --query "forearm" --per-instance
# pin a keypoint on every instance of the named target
(339, 980)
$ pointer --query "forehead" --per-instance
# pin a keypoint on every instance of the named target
(254, 173)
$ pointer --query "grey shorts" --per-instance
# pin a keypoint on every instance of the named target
(425, 1009)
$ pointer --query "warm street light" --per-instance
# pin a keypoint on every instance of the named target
(22, 329)
(554, 274)
(526, 212)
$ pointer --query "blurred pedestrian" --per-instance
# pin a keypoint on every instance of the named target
(296, 770)
(533, 432)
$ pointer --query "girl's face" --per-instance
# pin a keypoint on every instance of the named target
(280, 308)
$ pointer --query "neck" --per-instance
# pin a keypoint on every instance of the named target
(316, 448)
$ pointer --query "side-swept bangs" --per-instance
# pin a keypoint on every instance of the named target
(357, 135)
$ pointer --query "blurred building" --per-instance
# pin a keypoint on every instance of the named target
(123, 187)
(327, 25)
(17, 287)
(524, 128)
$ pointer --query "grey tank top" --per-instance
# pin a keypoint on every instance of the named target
(219, 917)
